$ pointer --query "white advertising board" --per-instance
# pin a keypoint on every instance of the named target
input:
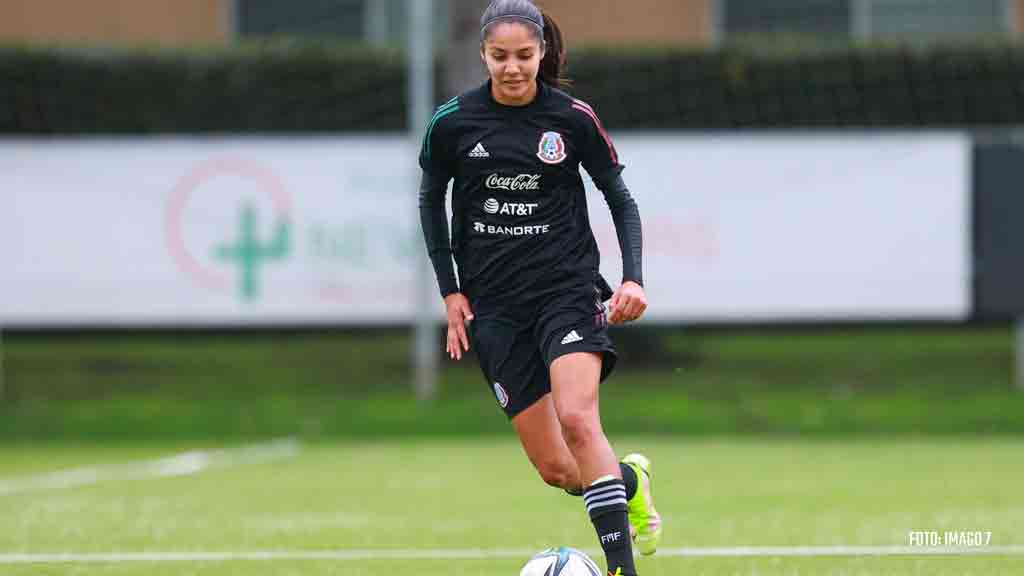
(296, 231)
(800, 227)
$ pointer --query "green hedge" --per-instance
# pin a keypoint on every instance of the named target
(850, 87)
(316, 87)
(289, 88)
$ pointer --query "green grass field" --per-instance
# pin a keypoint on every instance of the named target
(797, 438)
(457, 494)
(955, 380)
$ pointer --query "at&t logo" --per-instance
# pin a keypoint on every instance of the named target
(492, 206)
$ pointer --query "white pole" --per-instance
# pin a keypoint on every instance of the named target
(1019, 353)
(421, 102)
(860, 19)
(375, 22)
(1010, 17)
(716, 23)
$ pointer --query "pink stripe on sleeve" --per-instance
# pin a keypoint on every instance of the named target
(583, 107)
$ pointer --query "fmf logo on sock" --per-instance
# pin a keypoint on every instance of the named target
(613, 537)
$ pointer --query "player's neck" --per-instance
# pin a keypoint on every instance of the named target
(524, 100)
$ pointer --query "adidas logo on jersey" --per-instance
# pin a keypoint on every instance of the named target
(571, 337)
(479, 151)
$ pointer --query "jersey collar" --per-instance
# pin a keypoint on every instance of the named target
(542, 90)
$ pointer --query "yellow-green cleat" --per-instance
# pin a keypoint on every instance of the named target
(644, 521)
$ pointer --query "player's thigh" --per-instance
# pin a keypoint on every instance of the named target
(541, 436)
(575, 380)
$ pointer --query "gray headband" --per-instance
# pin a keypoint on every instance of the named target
(539, 25)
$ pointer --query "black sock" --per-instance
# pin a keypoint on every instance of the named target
(606, 504)
(628, 478)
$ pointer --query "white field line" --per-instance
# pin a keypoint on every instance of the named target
(480, 553)
(182, 464)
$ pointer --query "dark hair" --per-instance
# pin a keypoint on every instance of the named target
(552, 67)
(541, 26)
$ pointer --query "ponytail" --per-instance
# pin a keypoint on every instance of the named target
(552, 67)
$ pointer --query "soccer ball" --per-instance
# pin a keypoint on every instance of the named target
(560, 562)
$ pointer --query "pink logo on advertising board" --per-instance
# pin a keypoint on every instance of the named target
(228, 191)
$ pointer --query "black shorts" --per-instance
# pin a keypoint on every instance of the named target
(517, 345)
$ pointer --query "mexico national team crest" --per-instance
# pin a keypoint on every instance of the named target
(501, 395)
(552, 148)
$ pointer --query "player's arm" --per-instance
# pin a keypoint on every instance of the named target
(434, 222)
(629, 301)
(601, 161)
(436, 160)
(626, 217)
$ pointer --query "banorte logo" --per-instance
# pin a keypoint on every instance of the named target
(238, 188)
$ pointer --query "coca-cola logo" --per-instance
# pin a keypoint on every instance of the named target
(522, 182)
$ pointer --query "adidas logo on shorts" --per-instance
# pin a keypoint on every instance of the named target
(479, 152)
(571, 337)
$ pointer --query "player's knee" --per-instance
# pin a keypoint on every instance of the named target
(578, 428)
(555, 473)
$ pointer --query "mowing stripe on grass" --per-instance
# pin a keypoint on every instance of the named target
(483, 554)
(183, 464)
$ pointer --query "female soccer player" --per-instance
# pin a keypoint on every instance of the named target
(530, 292)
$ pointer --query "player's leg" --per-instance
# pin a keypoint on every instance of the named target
(518, 377)
(580, 423)
(575, 380)
(541, 437)
(574, 385)
(578, 324)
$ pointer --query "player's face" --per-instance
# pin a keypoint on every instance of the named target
(512, 55)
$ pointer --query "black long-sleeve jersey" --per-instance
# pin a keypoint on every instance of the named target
(520, 227)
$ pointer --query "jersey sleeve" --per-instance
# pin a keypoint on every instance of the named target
(436, 161)
(434, 223)
(626, 217)
(601, 161)
(436, 152)
(598, 154)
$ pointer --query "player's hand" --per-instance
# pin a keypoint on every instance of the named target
(628, 303)
(458, 315)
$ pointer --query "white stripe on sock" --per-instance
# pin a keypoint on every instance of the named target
(604, 490)
(605, 503)
(588, 498)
